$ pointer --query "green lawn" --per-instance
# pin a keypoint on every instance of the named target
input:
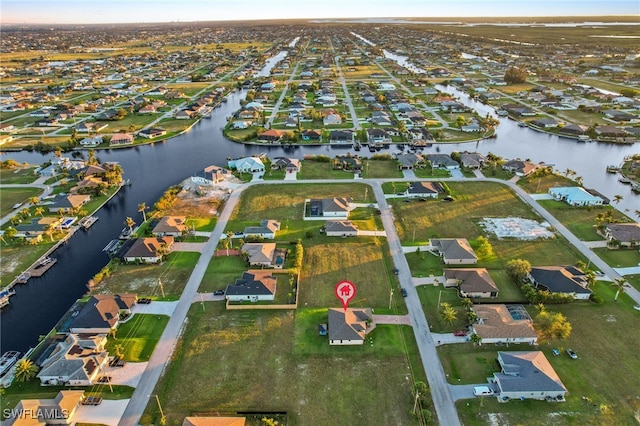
(11, 196)
(143, 279)
(204, 224)
(221, 352)
(619, 258)
(381, 169)
(17, 257)
(541, 185)
(429, 173)
(320, 170)
(222, 271)
(138, 337)
(32, 390)
(602, 373)
(581, 221)
(17, 176)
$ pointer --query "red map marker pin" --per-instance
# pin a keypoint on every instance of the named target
(345, 291)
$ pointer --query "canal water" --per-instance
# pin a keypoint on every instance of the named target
(38, 305)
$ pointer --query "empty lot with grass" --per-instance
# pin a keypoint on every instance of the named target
(138, 337)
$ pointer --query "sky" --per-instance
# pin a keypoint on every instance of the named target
(128, 11)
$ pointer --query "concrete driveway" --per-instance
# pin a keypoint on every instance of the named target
(108, 412)
(448, 338)
(157, 308)
(129, 375)
(371, 233)
(466, 391)
(194, 247)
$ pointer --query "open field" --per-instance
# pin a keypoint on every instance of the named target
(18, 257)
(138, 337)
(581, 221)
(222, 271)
(143, 279)
(11, 196)
(220, 350)
(588, 376)
(17, 176)
(541, 185)
(286, 201)
(619, 258)
(381, 169)
(321, 170)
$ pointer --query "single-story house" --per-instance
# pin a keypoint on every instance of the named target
(290, 165)
(210, 176)
(527, 375)
(152, 132)
(121, 139)
(340, 228)
(266, 229)
(264, 254)
(254, 285)
(332, 119)
(348, 327)
(148, 250)
(101, 313)
(348, 163)
(341, 136)
(443, 161)
(471, 282)
(311, 135)
(271, 136)
(214, 421)
(610, 132)
(57, 411)
(409, 161)
(247, 165)
(568, 280)
(330, 207)
(520, 167)
(454, 251)
(91, 141)
(78, 360)
(424, 189)
(173, 226)
(67, 203)
(472, 160)
(626, 234)
(575, 196)
(37, 227)
(573, 129)
(504, 324)
(545, 122)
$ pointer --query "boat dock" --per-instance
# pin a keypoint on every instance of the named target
(43, 266)
(88, 221)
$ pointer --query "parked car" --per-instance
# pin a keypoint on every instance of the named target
(460, 333)
(572, 354)
(144, 301)
(396, 271)
(482, 391)
(92, 400)
(403, 292)
(219, 292)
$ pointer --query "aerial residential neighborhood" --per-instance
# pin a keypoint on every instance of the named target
(320, 221)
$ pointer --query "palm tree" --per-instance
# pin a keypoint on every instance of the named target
(25, 370)
(130, 223)
(39, 211)
(49, 231)
(34, 200)
(618, 284)
(141, 208)
(92, 160)
(447, 313)
(637, 213)
(229, 241)
(617, 198)
(579, 180)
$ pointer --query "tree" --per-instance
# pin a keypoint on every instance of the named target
(448, 313)
(475, 339)
(92, 160)
(460, 121)
(617, 198)
(484, 247)
(637, 213)
(515, 75)
(34, 200)
(551, 325)
(618, 284)
(25, 370)
(39, 211)
(518, 269)
(467, 303)
(118, 350)
(130, 223)
(10, 232)
(141, 208)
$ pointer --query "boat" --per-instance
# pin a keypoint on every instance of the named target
(625, 180)
(521, 124)
(502, 113)
(23, 278)
(613, 169)
(43, 266)
(7, 360)
(88, 221)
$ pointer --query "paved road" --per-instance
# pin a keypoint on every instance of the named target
(38, 183)
(343, 82)
(166, 345)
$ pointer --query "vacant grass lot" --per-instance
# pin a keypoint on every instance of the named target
(320, 170)
(619, 258)
(11, 196)
(581, 221)
(287, 201)
(381, 169)
(602, 373)
(247, 360)
(18, 257)
(17, 176)
(138, 337)
(431, 173)
(541, 185)
(222, 271)
(143, 279)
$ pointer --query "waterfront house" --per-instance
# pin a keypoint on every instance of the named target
(503, 324)
(247, 165)
(56, 411)
(348, 327)
(67, 203)
(454, 251)
(341, 137)
(290, 165)
(173, 226)
(471, 282)
(575, 196)
(443, 161)
(271, 136)
(121, 139)
(210, 176)
(624, 234)
(78, 360)
(311, 135)
(347, 163)
(472, 160)
(409, 161)
(527, 375)
(101, 313)
(520, 167)
(152, 133)
(149, 250)
(253, 285)
(377, 137)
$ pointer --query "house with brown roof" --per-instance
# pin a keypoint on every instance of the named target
(56, 411)
(101, 313)
(527, 375)
(67, 203)
(265, 255)
(173, 226)
(214, 421)
(471, 282)
(456, 251)
(625, 234)
(504, 324)
(253, 285)
(148, 250)
(121, 139)
(79, 360)
(271, 136)
(348, 327)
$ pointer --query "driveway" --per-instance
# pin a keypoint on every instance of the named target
(633, 270)
(596, 244)
(371, 233)
(466, 391)
(129, 375)
(291, 176)
(157, 308)
(392, 319)
(409, 174)
(107, 413)
(427, 281)
(207, 297)
(448, 338)
(456, 173)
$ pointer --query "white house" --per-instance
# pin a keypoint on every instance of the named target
(575, 196)
(266, 229)
(340, 228)
(247, 165)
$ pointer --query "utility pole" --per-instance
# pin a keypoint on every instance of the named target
(161, 287)
(390, 298)
(415, 402)
(162, 418)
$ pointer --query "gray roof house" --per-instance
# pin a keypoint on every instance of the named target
(627, 234)
(409, 161)
(340, 228)
(253, 285)
(330, 207)
(472, 160)
(527, 375)
(424, 189)
(102, 313)
(348, 327)
(454, 251)
(561, 279)
(443, 161)
(471, 282)
(266, 229)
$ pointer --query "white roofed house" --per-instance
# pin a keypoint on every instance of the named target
(575, 196)
(247, 164)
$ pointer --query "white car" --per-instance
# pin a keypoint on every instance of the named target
(482, 391)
